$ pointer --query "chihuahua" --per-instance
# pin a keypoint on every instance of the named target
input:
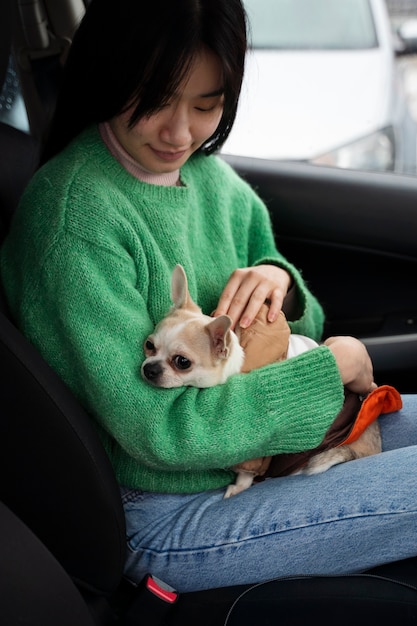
(188, 347)
(193, 349)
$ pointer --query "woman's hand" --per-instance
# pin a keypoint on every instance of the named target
(354, 363)
(248, 288)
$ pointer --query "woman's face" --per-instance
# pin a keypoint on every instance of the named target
(163, 142)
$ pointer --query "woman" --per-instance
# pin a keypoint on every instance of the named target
(129, 189)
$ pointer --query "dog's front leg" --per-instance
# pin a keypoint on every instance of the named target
(244, 480)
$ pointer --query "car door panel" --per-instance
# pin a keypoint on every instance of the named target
(354, 236)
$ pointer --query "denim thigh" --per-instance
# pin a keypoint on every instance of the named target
(354, 516)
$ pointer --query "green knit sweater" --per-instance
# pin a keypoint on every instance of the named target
(87, 270)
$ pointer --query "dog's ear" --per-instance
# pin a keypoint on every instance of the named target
(179, 290)
(219, 331)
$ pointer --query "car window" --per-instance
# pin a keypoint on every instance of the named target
(316, 24)
(325, 84)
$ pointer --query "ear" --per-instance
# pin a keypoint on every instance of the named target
(179, 287)
(219, 331)
(179, 290)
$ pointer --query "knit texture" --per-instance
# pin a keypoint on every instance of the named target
(87, 269)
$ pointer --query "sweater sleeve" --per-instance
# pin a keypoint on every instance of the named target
(89, 320)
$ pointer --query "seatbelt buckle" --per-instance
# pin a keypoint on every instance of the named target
(152, 602)
(160, 589)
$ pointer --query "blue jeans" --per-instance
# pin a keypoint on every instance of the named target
(354, 516)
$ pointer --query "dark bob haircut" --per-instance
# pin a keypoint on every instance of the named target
(138, 52)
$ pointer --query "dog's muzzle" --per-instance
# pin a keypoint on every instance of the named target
(152, 371)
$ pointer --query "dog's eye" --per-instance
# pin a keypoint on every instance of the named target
(181, 362)
(149, 346)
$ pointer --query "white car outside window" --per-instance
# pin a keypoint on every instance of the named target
(321, 85)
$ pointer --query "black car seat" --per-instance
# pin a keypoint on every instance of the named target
(34, 589)
(62, 530)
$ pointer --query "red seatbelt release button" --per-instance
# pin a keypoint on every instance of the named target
(161, 589)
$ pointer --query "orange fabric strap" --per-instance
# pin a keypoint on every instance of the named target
(384, 399)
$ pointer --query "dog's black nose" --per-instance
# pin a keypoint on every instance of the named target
(152, 370)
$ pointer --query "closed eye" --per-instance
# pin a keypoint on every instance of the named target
(209, 103)
(205, 109)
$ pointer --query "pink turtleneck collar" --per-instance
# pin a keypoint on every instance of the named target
(171, 179)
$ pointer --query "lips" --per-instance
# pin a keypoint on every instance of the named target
(169, 156)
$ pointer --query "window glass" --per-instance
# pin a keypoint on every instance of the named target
(323, 84)
(316, 24)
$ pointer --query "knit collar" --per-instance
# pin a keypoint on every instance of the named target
(170, 179)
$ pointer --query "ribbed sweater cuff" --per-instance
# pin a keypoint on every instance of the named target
(303, 429)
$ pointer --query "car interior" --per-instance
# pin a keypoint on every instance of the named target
(62, 525)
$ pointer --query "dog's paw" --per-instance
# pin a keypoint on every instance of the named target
(233, 490)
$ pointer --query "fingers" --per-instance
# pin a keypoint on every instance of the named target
(247, 290)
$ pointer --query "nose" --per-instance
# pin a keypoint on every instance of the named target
(152, 371)
(176, 128)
